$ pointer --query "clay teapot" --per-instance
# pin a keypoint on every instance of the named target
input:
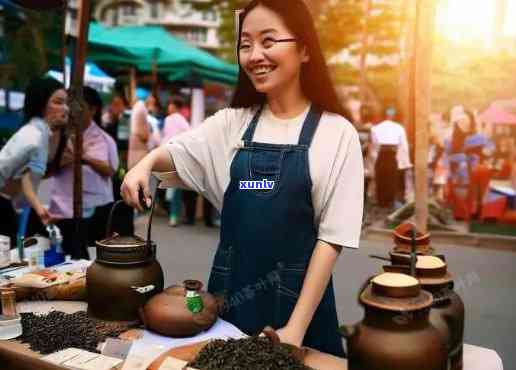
(124, 276)
(447, 313)
(395, 333)
(181, 311)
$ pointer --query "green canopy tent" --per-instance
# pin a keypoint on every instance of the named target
(144, 47)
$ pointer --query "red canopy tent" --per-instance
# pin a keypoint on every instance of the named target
(497, 115)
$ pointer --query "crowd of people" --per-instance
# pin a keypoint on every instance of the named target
(466, 156)
(115, 138)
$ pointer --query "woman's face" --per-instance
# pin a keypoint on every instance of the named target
(56, 111)
(464, 124)
(171, 109)
(271, 66)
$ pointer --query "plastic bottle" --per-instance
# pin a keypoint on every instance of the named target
(55, 254)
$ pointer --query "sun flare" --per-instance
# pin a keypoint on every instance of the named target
(472, 20)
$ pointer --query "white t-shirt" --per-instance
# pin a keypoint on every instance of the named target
(391, 133)
(203, 157)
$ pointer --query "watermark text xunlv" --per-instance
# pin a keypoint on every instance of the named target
(262, 185)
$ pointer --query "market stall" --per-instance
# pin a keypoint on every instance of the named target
(141, 348)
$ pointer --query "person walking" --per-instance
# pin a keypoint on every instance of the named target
(175, 124)
(390, 154)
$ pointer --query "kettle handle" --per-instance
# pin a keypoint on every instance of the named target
(110, 218)
(149, 225)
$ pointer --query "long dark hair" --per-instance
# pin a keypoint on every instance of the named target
(459, 137)
(93, 99)
(316, 83)
(37, 95)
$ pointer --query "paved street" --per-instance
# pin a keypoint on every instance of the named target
(486, 280)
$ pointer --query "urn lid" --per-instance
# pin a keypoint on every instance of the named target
(395, 292)
(430, 271)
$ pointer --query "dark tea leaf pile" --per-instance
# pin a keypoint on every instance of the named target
(58, 330)
(253, 353)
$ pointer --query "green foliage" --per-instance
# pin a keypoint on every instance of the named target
(466, 75)
(341, 26)
(32, 44)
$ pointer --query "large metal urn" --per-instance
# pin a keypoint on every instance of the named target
(447, 313)
(395, 333)
(124, 276)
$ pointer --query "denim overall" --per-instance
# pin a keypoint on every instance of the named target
(267, 239)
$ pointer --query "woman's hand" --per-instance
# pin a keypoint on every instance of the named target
(289, 334)
(137, 178)
(44, 216)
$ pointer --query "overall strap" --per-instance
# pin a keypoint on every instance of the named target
(249, 133)
(310, 126)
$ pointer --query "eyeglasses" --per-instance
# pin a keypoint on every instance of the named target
(267, 43)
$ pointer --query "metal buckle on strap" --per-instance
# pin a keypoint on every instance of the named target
(240, 144)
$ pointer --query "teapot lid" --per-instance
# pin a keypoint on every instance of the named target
(395, 292)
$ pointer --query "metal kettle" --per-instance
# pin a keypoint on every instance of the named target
(124, 276)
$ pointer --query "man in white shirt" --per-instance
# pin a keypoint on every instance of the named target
(390, 154)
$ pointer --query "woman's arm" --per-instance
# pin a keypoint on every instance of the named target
(159, 160)
(317, 278)
(30, 194)
(103, 168)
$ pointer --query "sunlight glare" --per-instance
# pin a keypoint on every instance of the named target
(466, 20)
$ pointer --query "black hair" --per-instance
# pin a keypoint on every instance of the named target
(316, 82)
(178, 101)
(37, 95)
(459, 137)
(93, 99)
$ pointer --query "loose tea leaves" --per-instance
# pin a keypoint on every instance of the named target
(253, 353)
(58, 330)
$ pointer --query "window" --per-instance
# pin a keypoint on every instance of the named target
(114, 14)
(1, 24)
(154, 9)
(209, 15)
(129, 9)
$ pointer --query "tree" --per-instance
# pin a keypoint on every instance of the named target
(348, 25)
(32, 44)
(226, 31)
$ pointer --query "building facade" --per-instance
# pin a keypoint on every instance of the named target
(181, 17)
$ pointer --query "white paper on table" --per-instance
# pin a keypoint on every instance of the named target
(145, 350)
(173, 364)
(478, 358)
(82, 360)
